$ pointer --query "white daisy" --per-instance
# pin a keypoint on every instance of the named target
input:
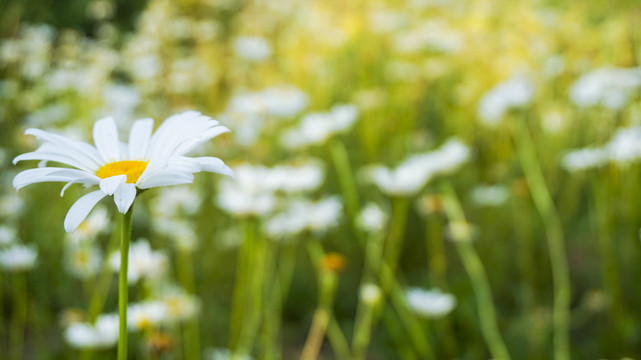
(121, 169)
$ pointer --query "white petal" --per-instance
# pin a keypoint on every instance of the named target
(79, 150)
(124, 197)
(53, 174)
(139, 138)
(166, 178)
(215, 165)
(81, 208)
(207, 135)
(110, 184)
(105, 136)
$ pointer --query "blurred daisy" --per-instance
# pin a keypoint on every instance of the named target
(489, 195)
(18, 258)
(372, 218)
(119, 169)
(143, 262)
(7, 235)
(430, 303)
(253, 48)
(317, 128)
(101, 335)
(415, 172)
(513, 93)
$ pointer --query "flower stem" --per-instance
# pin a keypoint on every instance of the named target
(19, 315)
(191, 331)
(555, 237)
(478, 277)
(123, 285)
(323, 321)
(345, 178)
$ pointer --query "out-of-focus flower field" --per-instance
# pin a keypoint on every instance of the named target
(416, 179)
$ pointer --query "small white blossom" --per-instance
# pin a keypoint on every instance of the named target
(317, 128)
(411, 176)
(490, 195)
(371, 294)
(513, 93)
(372, 218)
(18, 257)
(101, 335)
(584, 159)
(608, 86)
(252, 48)
(143, 262)
(430, 303)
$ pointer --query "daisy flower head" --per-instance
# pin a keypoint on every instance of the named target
(150, 159)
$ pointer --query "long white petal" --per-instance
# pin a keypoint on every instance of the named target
(139, 138)
(124, 196)
(53, 174)
(215, 165)
(166, 178)
(192, 143)
(105, 136)
(110, 184)
(79, 150)
(53, 156)
(81, 208)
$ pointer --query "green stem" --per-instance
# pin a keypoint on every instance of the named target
(324, 315)
(478, 277)
(255, 297)
(394, 243)
(191, 331)
(345, 178)
(19, 315)
(555, 237)
(239, 297)
(123, 285)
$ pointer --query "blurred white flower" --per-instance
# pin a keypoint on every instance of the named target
(224, 354)
(610, 87)
(277, 101)
(180, 231)
(95, 224)
(101, 335)
(11, 205)
(430, 303)
(177, 200)
(147, 161)
(372, 218)
(143, 262)
(296, 178)
(489, 195)
(179, 304)
(415, 172)
(371, 294)
(145, 315)
(18, 257)
(584, 159)
(625, 147)
(247, 193)
(7, 235)
(433, 35)
(317, 128)
(253, 48)
(304, 215)
(513, 93)
(83, 260)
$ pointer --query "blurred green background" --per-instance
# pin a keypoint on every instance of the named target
(523, 84)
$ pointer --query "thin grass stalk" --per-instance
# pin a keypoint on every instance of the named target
(19, 315)
(190, 329)
(241, 284)
(478, 277)
(555, 237)
(345, 175)
(123, 286)
(324, 315)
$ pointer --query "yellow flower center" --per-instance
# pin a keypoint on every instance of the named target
(132, 168)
